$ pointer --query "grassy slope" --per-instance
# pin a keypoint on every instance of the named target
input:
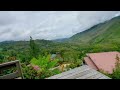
(107, 32)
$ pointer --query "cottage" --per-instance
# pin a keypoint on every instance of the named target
(102, 61)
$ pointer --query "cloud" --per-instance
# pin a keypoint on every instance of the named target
(19, 25)
(6, 18)
(90, 18)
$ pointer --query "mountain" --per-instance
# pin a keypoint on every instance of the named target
(60, 40)
(107, 32)
(25, 44)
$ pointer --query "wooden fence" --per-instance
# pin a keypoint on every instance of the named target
(8, 65)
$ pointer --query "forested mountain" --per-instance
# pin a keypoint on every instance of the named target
(101, 37)
(107, 32)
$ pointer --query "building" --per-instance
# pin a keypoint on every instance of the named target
(56, 56)
(102, 61)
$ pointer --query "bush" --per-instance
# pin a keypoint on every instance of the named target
(78, 63)
(45, 64)
(29, 72)
(116, 74)
(116, 71)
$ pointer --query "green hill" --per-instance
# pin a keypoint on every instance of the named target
(107, 32)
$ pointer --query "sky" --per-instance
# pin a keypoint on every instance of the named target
(48, 25)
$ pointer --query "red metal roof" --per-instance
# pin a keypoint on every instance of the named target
(104, 61)
(90, 63)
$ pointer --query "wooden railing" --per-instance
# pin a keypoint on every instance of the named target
(8, 65)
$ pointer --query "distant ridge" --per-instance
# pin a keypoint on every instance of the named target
(107, 32)
(60, 40)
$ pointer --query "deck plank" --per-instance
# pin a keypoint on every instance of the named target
(76, 74)
(87, 75)
(104, 77)
(96, 76)
(83, 72)
(68, 72)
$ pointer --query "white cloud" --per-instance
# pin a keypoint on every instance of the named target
(19, 25)
(90, 18)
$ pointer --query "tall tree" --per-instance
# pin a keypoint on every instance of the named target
(34, 50)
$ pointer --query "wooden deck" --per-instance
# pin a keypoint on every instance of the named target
(83, 72)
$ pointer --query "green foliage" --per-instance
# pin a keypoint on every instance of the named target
(48, 73)
(74, 65)
(24, 58)
(8, 71)
(56, 71)
(103, 37)
(116, 74)
(1, 57)
(116, 71)
(45, 65)
(29, 72)
(33, 48)
(44, 62)
(106, 32)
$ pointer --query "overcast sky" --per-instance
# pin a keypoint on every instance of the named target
(19, 25)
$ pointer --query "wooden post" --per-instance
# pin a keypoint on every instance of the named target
(8, 65)
(19, 69)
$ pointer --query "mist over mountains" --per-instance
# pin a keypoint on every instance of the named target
(49, 25)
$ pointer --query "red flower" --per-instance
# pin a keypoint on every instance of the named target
(36, 67)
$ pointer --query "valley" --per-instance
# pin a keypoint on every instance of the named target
(103, 37)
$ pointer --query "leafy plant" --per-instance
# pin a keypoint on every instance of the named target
(29, 72)
(44, 62)
(116, 71)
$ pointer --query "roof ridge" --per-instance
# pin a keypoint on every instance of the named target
(92, 62)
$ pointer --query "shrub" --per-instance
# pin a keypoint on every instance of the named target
(116, 71)
(29, 72)
(45, 64)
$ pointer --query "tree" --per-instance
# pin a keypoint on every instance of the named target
(34, 50)
(1, 58)
(116, 71)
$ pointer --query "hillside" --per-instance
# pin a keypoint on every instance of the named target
(107, 32)
(103, 37)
